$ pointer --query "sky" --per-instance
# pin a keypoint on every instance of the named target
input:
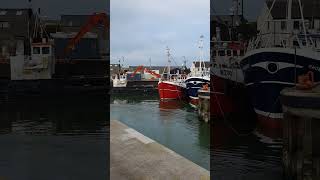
(142, 29)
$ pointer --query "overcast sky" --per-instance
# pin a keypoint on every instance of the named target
(54, 8)
(141, 29)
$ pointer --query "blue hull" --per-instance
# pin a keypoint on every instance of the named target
(193, 85)
(267, 73)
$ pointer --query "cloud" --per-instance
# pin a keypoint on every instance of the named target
(142, 28)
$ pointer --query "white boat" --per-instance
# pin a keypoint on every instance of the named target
(120, 80)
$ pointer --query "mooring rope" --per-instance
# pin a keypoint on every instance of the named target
(228, 123)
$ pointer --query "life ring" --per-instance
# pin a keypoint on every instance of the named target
(306, 81)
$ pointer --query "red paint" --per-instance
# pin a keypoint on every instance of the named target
(194, 102)
(168, 90)
(269, 123)
(221, 104)
(170, 104)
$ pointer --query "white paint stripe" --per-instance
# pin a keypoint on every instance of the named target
(277, 82)
(204, 97)
(269, 114)
(272, 82)
(194, 97)
(131, 133)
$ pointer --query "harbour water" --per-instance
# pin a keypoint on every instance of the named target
(54, 138)
(173, 124)
(239, 150)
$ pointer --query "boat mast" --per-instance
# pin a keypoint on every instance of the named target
(29, 27)
(303, 24)
(201, 54)
(169, 61)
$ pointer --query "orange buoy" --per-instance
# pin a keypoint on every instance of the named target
(306, 81)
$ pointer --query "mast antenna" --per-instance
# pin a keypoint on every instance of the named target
(169, 61)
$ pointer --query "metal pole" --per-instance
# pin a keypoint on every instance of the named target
(242, 14)
(303, 24)
(295, 65)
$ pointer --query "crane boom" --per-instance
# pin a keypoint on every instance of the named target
(140, 68)
(94, 20)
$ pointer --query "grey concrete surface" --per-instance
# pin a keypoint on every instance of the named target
(137, 157)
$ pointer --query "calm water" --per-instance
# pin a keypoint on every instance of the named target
(172, 124)
(54, 138)
(243, 152)
(239, 149)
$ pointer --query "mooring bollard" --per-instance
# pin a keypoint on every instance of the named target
(204, 105)
(301, 125)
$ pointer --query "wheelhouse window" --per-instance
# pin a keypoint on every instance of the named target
(19, 13)
(36, 50)
(283, 25)
(228, 52)
(45, 50)
(214, 53)
(241, 52)
(222, 53)
(296, 25)
(3, 13)
(235, 53)
(4, 25)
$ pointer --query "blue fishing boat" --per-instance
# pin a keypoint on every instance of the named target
(197, 78)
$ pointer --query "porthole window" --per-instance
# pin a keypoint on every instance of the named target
(272, 67)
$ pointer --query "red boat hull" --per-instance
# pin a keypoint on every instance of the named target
(221, 104)
(170, 91)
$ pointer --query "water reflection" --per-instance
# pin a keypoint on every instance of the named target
(72, 116)
(172, 104)
(54, 137)
(239, 151)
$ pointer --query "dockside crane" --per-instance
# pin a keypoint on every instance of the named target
(94, 20)
(140, 68)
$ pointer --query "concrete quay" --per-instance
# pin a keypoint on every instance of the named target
(137, 157)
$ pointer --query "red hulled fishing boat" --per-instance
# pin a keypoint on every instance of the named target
(171, 86)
